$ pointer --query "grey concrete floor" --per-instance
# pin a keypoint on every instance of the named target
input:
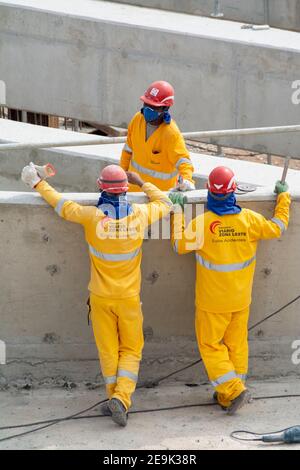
(192, 428)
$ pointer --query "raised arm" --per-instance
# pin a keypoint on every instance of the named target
(263, 229)
(69, 210)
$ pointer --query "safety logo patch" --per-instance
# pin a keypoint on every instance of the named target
(214, 225)
(154, 91)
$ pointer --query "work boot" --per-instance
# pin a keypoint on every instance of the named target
(241, 400)
(118, 412)
(105, 410)
(215, 398)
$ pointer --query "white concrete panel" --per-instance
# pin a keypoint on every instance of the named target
(78, 166)
(92, 60)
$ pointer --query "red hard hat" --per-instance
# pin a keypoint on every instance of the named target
(159, 94)
(221, 180)
(113, 179)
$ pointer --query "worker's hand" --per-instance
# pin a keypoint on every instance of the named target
(281, 187)
(184, 185)
(177, 199)
(45, 171)
(134, 178)
(30, 175)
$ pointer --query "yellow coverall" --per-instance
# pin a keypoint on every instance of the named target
(160, 158)
(115, 255)
(225, 249)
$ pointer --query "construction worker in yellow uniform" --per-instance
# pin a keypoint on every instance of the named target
(114, 231)
(225, 239)
(155, 148)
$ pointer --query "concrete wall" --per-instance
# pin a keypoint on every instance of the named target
(43, 284)
(92, 61)
(277, 13)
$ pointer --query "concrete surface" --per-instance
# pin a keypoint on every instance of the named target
(282, 13)
(224, 76)
(194, 428)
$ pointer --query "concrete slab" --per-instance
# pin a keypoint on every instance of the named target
(280, 13)
(161, 20)
(89, 159)
(191, 428)
(224, 76)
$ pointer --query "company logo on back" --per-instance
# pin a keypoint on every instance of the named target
(214, 225)
(226, 233)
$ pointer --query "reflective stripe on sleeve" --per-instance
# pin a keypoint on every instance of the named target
(59, 206)
(126, 148)
(279, 223)
(183, 160)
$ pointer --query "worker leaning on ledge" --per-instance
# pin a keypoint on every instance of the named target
(114, 231)
(225, 241)
(155, 148)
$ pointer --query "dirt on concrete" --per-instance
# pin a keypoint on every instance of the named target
(187, 426)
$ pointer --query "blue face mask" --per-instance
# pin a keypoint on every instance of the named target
(221, 205)
(151, 115)
(114, 206)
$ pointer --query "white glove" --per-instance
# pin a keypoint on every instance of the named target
(30, 175)
(45, 171)
(184, 185)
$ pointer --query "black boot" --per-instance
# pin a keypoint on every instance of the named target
(241, 400)
(105, 410)
(118, 412)
(215, 398)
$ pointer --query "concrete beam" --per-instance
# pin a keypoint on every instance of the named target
(224, 76)
(78, 167)
(284, 14)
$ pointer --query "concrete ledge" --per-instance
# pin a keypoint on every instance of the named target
(78, 167)
(225, 77)
(193, 197)
(283, 14)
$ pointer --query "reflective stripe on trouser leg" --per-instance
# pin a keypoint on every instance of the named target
(243, 377)
(130, 326)
(236, 340)
(110, 385)
(105, 328)
(210, 332)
